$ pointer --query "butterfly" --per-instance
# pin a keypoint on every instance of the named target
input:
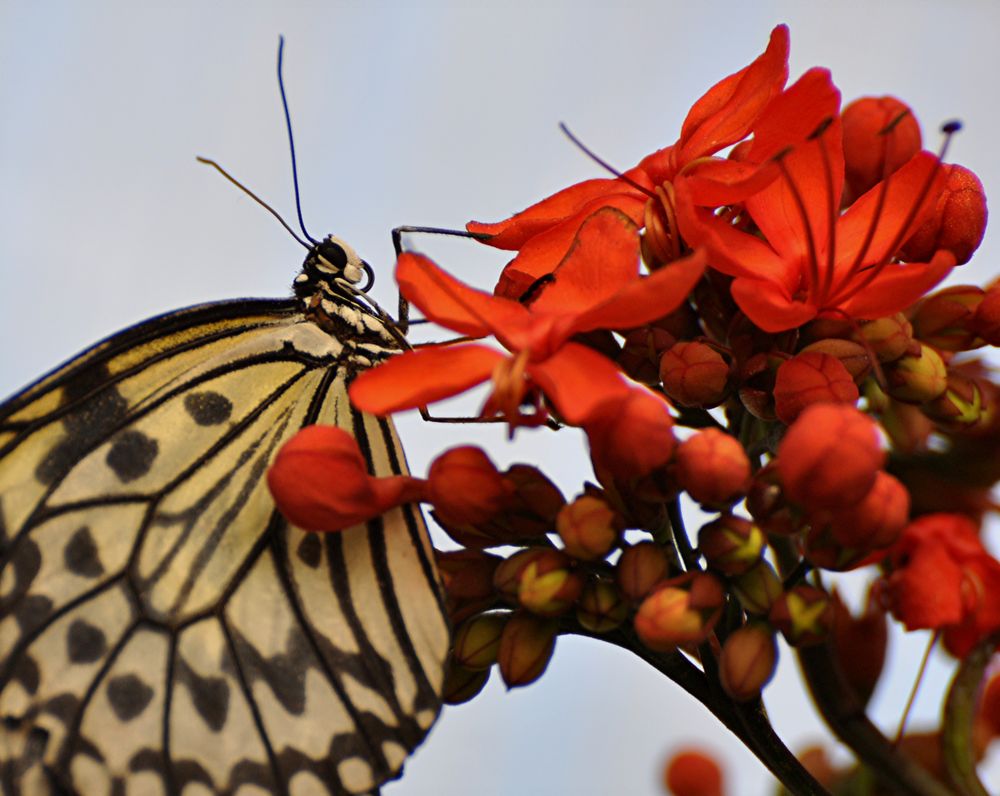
(163, 629)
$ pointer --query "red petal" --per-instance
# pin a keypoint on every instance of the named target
(730, 251)
(542, 253)
(898, 286)
(578, 380)
(645, 299)
(920, 177)
(727, 111)
(713, 183)
(769, 306)
(418, 378)
(795, 115)
(518, 229)
(926, 592)
(450, 303)
(603, 257)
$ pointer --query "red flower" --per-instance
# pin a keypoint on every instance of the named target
(944, 579)
(813, 261)
(724, 115)
(597, 286)
(320, 481)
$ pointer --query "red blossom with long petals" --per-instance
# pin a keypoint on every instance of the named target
(724, 115)
(596, 286)
(813, 261)
(943, 578)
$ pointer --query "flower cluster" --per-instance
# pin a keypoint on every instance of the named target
(744, 318)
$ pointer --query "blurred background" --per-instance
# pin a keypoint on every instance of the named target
(429, 113)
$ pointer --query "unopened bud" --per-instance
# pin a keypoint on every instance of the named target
(880, 134)
(695, 374)
(731, 545)
(875, 521)
(461, 684)
(812, 377)
(526, 646)
(758, 588)
(713, 467)
(693, 773)
(987, 318)
(548, 588)
(589, 527)
(804, 615)
(767, 505)
(957, 222)
(917, 379)
(640, 568)
(467, 574)
(960, 407)
(890, 337)
(747, 662)
(680, 611)
(601, 607)
(507, 576)
(757, 384)
(477, 641)
(850, 354)
(465, 486)
(640, 354)
(946, 319)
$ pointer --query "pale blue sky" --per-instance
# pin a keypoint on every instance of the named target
(429, 113)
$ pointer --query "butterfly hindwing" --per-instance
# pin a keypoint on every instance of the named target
(162, 627)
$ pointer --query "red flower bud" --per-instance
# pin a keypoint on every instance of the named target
(875, 521)
(731, 545)
(804, 615)
(829, 456)
(986, 321)
(631, 437)
(758, 588)
(693, 773)
(679, 611)
(917, 378)
(890, 337)
(747, 662)
(713, 467)
(810, 378)
(961, 407)
(601, 607)
(695, 374)
(958, 221)
(465, 486)
(526, 646)
(850, 354)
(767, 505)
(880, 134)
(589, 527)
(467, 574)
(640, 568)
(640, 354)
(461, 684)
(859, 644)
(946, 320)
(320, 481)
(757, 384)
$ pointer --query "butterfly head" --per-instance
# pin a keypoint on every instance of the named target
(332, 259)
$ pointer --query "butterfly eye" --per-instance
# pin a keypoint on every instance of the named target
(333, 253)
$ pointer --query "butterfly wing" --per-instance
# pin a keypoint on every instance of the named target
(161, 625)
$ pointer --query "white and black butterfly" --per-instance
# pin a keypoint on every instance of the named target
(163, 629)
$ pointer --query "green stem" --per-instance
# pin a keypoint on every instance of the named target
(845, 715)
(747, 722)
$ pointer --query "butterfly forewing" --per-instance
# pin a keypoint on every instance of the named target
(161, 625)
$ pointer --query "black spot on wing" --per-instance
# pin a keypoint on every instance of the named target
(81, 556)
(284, 673)
(26, 561)
(128, 696)
(131, 455)
(208, 408)
(210, 695)
(310, 550)
(32, 612)
(27, 674)
(85, 643)
(98, 414)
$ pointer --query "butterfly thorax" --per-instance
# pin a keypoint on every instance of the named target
(330, 290)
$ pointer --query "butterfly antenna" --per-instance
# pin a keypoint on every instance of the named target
(252, 195)
(291, 141)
